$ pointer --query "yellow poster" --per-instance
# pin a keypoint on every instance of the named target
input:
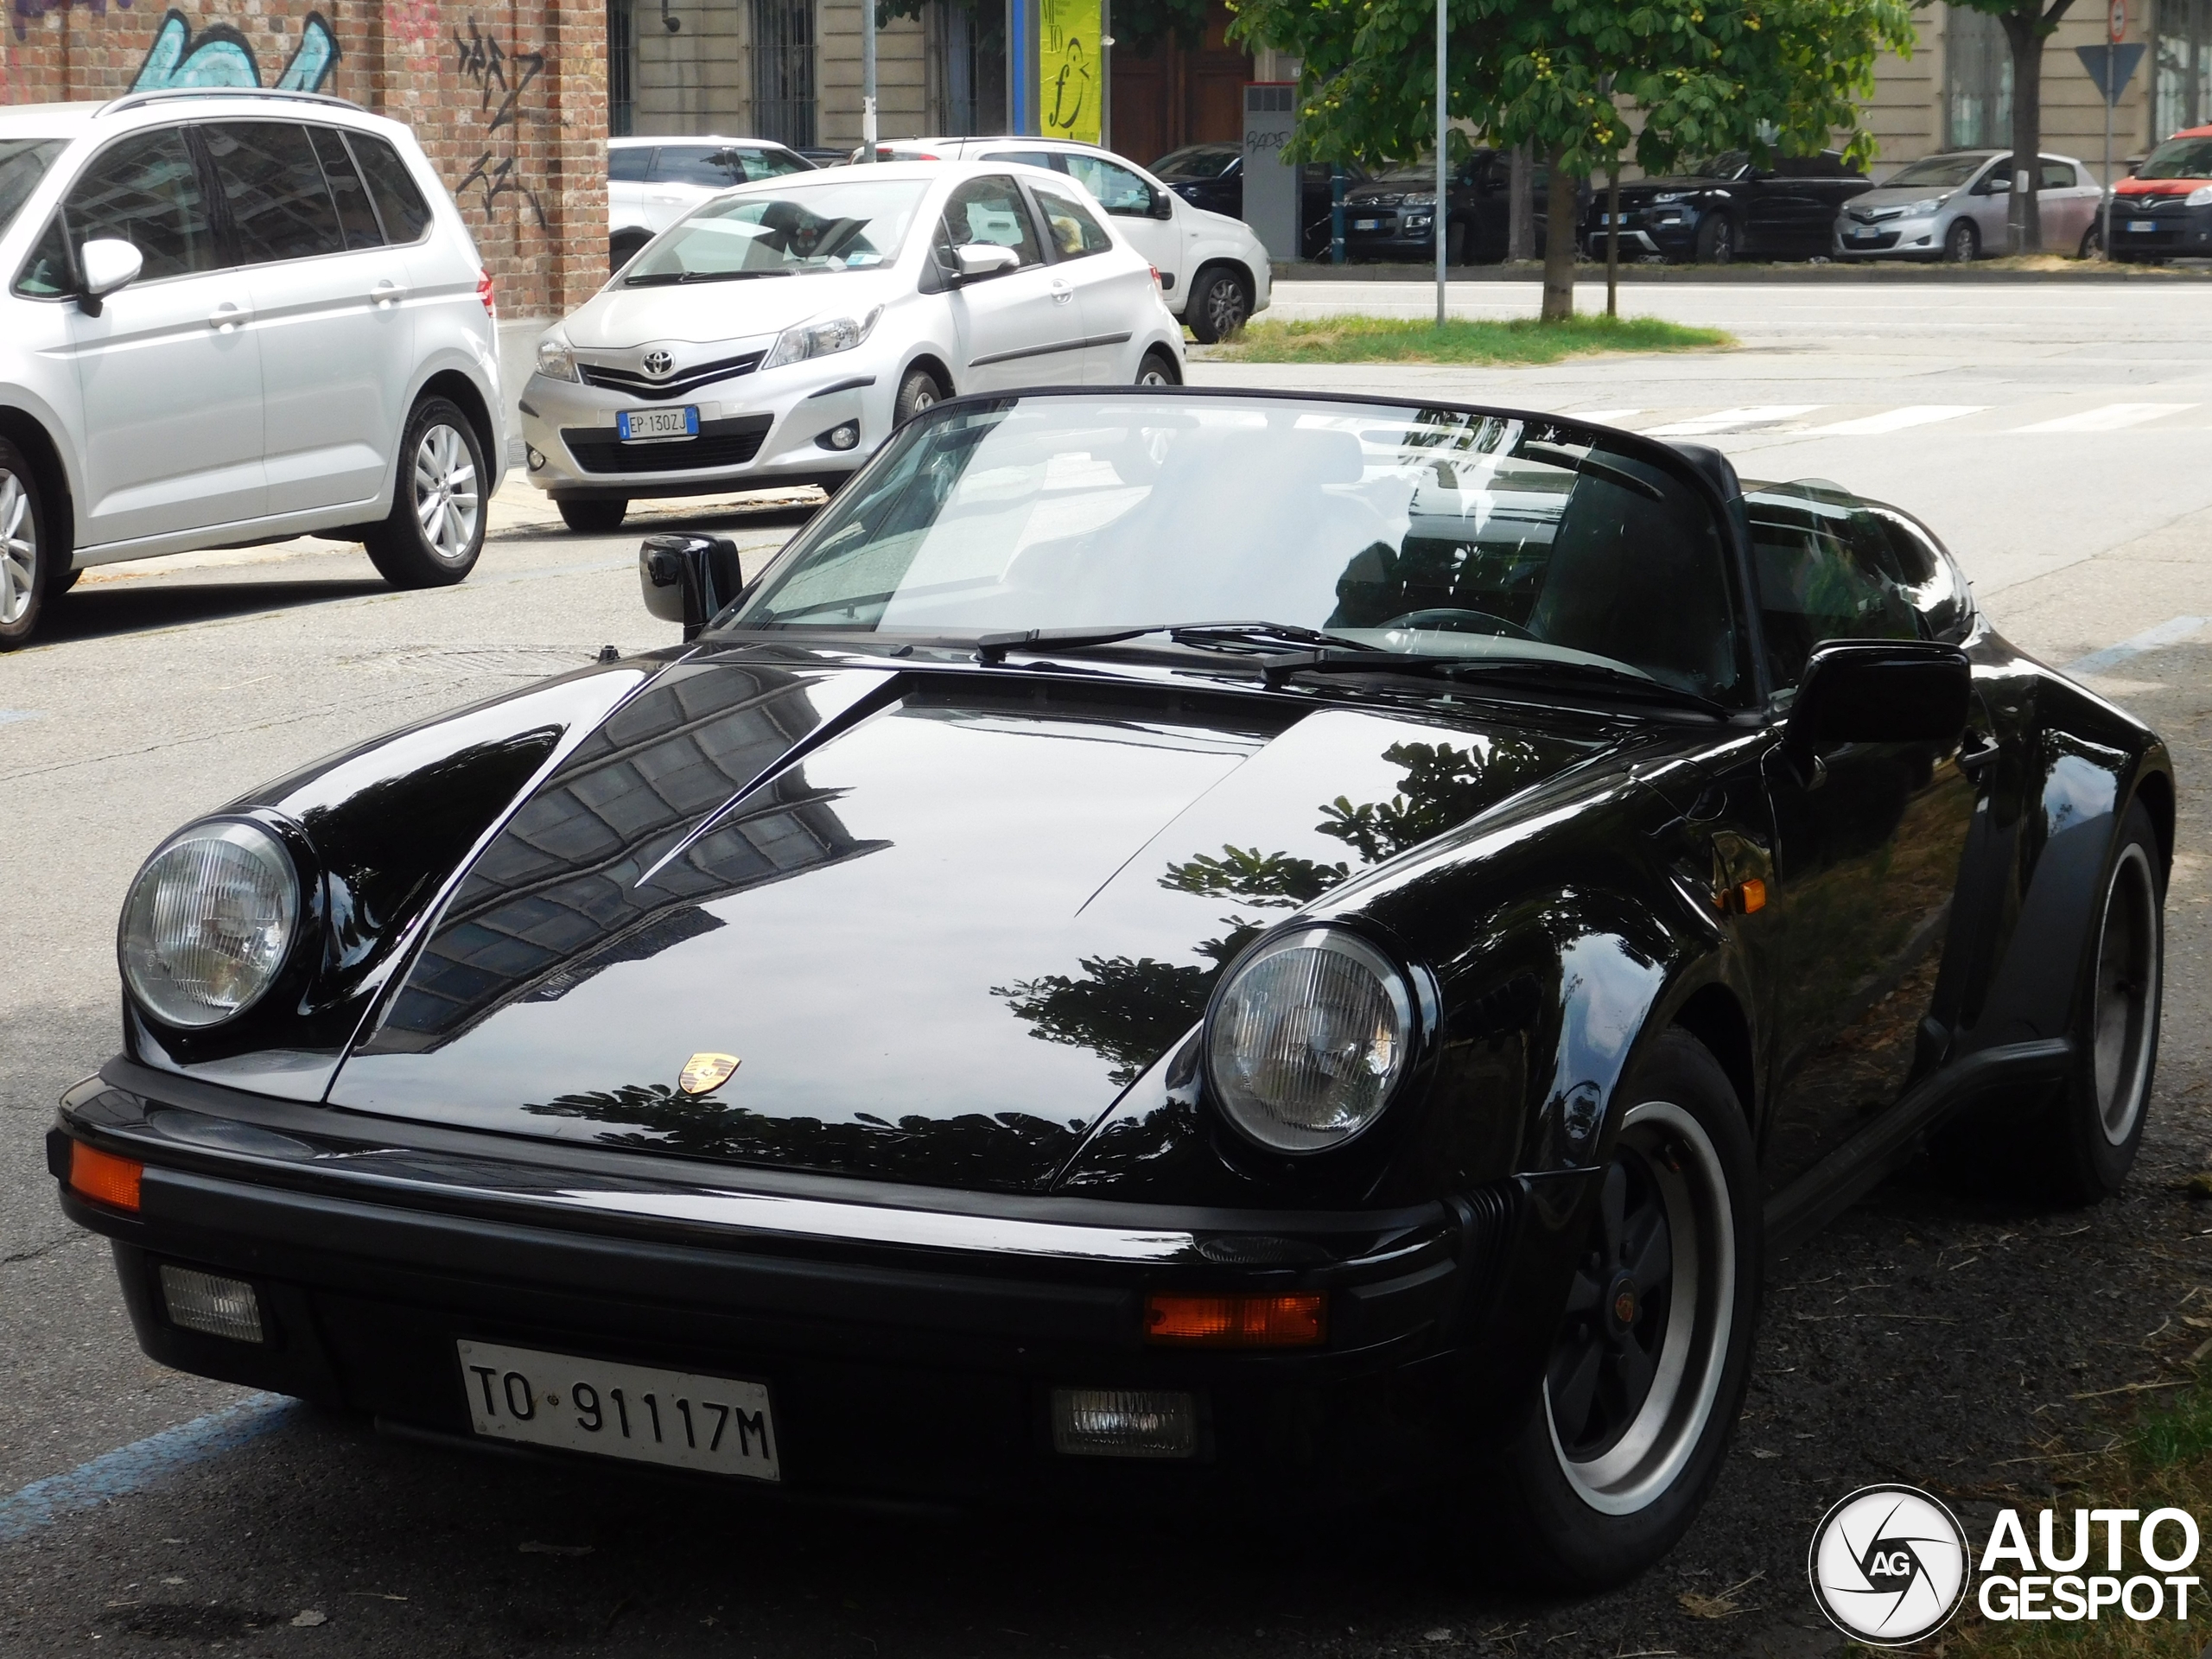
(1069, 83)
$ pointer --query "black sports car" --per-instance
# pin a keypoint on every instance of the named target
(1728, 209)
(1081, 983)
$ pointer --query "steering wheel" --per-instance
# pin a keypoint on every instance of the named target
(1445, 621)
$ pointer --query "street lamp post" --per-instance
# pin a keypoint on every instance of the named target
(1440, 221)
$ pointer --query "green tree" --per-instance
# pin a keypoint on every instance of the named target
(2028, 24)
(1583, 82)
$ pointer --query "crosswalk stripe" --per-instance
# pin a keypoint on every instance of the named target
(2110, 418)
(1896, 419)
(1605, 417)
(1730, 420)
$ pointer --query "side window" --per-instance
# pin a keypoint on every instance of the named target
(399, 201)
(991, 210)
(1934, 585)
(2057, 175)
(145, 191)
(714, 166)
(357, 214)
(1828, 569)
(1043, 158)
(627, 165)
(1118, 190)
(46, 275)
(773, 163)
(1073, 231)
(280, 207)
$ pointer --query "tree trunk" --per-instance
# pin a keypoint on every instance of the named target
(1520, 207)
(2026, 27)
(1559, 241)
(1613, 239)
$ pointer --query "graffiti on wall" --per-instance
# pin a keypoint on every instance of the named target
(494, 69)
(28, 12)
(220, 55)
(414, 24)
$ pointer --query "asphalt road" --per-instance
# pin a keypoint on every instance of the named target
(1927, 1336)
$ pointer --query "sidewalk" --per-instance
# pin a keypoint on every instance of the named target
(2046, 268)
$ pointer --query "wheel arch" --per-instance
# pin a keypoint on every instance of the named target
(458, 389)
(928, 358)
(2155, 788)
(29, 433)
(1714, 1015)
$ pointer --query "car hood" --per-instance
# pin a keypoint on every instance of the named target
(619, 317)
(1644, 189)
(1213, 224)
(2157, 186)
(941, 919)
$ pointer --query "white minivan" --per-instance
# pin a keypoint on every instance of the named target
(233, 317)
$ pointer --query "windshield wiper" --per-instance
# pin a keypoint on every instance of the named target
(993, 647)
(1531, 670)
(669, 279)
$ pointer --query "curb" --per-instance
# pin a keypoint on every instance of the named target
(1293, 276)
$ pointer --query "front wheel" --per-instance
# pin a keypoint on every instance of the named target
(1221, 303)
(26, 581)
(920, 390)
(2093, 242)
(436, 529)
(1962, 243)
(1157, 369)
(1716, 241)
(593, 518)
(1624, 1435)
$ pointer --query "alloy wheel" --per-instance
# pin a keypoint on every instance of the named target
(1225, 307)
(447, 501)
(1638, 1364)
(18, 550)
(2126, 991)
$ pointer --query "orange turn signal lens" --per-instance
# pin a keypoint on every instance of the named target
(1751, 895)
(1292, 1320)
(103, 1176)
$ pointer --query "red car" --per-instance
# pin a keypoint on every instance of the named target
(2165, 210)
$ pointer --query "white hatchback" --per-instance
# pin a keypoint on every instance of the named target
(775, 335)
(653, 183)
(229, 318)
(1214, 268)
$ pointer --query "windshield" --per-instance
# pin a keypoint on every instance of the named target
(1936, 172)
(1197, 162)
(2180, 158)
(833, 225)
(1726, 165)
(1431, 531)
(23, 163)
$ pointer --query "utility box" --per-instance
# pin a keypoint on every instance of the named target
(1270, 182)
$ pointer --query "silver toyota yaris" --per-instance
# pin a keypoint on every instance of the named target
(776, 335)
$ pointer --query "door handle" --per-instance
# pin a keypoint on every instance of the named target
(227, 316)
(386, 292)
(1062, 293)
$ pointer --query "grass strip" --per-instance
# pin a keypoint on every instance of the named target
(1397, 339)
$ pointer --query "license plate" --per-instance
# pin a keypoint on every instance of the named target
(717, 1424)
(1367, 224)
(1862, 232)
(642, 425)
(1607, 219)
(2142, 224)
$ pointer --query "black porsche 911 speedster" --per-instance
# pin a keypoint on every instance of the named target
(1173, 945)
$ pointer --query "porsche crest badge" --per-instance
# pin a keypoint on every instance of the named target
(704, 1073)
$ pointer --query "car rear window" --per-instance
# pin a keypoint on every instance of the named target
(399, 201)
(357, 214)
(627, 165)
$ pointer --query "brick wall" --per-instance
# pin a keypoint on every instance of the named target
(509, 100)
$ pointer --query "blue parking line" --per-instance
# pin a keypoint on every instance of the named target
(2171, 632)
(10, 716)
(132, 1468)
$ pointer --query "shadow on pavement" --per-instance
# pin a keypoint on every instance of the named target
(98, 612)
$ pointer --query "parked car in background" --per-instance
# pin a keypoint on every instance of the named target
(1953, 206)
(235, 316)
(1393, 215)
(1211, 176)
(1212, 269)
(653, 183)
(2166, 208)
(901, 285)
(1728, 209)
(821, 155)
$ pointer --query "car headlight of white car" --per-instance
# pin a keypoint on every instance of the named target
(1309, 1039)
(556, 358)
(1925, 206)
(820, 338)
(209, 922)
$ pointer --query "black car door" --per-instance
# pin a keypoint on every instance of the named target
(1866, 846)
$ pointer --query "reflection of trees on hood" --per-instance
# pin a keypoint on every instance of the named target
(1129, 1010)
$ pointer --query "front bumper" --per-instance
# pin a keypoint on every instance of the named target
(1903, 239)
(2186, 234)
(910, 1338)
(756, 432)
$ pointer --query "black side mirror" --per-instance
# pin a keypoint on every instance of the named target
(1878, 691)
(1163, 203)
(688, 578)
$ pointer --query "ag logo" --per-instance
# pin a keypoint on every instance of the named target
(1889, 1566)
(658, 363)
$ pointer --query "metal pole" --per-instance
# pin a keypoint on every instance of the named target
(1439, 223)
(1337, 214)
(2104, 237)
(868, 80)
(1105, 75)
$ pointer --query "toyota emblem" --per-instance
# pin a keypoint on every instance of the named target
(658, 363)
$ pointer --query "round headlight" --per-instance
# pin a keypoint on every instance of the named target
(1308, 1038)
(209, 922)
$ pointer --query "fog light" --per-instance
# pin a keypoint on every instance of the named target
(103, 1176)
(847, 436)
(209, 1303)
(1124, 1423)
(536, 459)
